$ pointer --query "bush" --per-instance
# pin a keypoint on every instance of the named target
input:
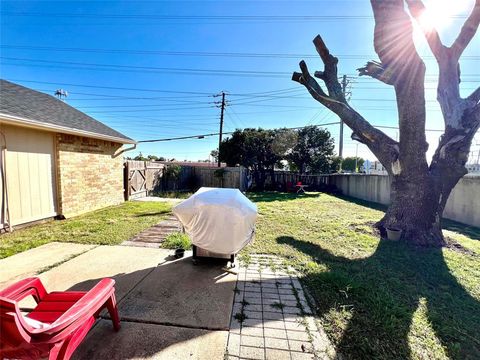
(177, 240)
(173, 171)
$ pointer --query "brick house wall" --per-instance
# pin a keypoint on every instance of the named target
(89, 176)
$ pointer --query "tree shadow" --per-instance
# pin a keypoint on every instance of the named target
(447, 224)
(376, 298)
(156, 213)
(180, 310)
(270, 196)
(470, 231)
(165, 310)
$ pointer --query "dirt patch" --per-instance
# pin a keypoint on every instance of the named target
(455, 246)
(367, 228)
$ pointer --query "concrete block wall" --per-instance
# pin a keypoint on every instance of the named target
(89, 177)
(463, 205)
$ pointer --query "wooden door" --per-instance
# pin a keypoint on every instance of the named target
(30, 174)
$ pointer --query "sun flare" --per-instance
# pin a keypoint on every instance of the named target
(440, 13)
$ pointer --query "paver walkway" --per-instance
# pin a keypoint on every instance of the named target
(155, 235)
(271, 318)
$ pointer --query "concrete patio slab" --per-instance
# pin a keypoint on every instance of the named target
(31, 262)
(148, 341)
(126, 265)
(182, 294)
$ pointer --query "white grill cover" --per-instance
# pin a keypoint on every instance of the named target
(218, 220)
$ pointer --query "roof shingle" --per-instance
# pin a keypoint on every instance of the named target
(20, 101)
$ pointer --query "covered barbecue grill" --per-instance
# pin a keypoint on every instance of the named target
(220, 222)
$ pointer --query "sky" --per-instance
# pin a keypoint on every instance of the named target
(151, 69)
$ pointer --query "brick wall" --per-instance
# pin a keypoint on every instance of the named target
(88, 176)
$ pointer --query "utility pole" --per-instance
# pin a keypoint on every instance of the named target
(344, 90)
(356, 159)
(222, 107)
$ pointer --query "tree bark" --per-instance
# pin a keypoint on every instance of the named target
(417, 210)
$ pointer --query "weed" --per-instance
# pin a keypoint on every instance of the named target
(177, 240)
(278, 305)
(240, 317)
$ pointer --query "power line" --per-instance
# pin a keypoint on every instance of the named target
(200, 53)
(290, 89)
(240, 122)
(201, 136)
(114, 87)
(149, 69)
(151, 110)
(142, 105)
(242, 18)
(168, 91)
(154, 69)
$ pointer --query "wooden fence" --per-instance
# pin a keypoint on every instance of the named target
(144, 178)
(286, 181)
(141, 178)
(194, 177)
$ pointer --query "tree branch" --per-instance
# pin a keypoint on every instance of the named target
(474, 97)
(385, 148)
(330, 73)
(468, 31)
(417, 8)
(377, 71)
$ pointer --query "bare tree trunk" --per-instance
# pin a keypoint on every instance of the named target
(419, 192)
(416, 209)
(272, 178)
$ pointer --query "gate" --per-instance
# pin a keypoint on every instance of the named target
(135, 179)
(140, 178)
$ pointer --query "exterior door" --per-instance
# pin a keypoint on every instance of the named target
(29, 170)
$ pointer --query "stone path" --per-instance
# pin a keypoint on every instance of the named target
(271, 318)
(155, 235)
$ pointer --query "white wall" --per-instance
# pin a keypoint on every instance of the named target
(463, 205)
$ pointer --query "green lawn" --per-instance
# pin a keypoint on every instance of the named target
(376, 299)
(107, 226)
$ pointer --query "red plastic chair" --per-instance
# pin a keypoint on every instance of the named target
(57, 325)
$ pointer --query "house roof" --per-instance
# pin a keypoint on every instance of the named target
(25, 106)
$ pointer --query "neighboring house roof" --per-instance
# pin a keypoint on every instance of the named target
(22, 105)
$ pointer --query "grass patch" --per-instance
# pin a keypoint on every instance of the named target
(177, 240)
(240, 317)
(375, 298)
(109, 226)
(277, 305)
(174, 194)
(58, 263)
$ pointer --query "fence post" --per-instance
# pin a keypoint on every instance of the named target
(126, 181)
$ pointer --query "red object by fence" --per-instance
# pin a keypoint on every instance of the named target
(59, 322)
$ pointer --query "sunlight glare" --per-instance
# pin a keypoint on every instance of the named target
(438, 13)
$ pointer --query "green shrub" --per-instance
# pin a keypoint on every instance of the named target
(177, 240)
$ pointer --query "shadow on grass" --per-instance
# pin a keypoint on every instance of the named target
(451, 225)
(270, 196)
(156, 213)
(377, 297)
